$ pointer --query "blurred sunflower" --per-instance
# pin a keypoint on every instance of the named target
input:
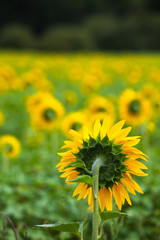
(10, 146)
(2, 118)
(36, 99)
(100, 107)
(46, 114)
(119, 160)
(75, 121)
(134, 107)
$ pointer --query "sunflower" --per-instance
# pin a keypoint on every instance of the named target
(2, 118)
(75, 121)
(36, 99)
(46, 113)
(134, 107)
(100, 107)
(119, 157)
(10, 146)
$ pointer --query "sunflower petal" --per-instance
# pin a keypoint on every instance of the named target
(115, 130)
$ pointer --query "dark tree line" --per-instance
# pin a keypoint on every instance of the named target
(80, 24)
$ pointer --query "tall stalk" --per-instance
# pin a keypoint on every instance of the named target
(95, 172)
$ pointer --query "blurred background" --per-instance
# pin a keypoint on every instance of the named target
(62, 64)
(80, 25)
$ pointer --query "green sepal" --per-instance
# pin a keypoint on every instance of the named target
(92, 142)
(84, 178)
(105, 141)
(111, 214)
(78, 164)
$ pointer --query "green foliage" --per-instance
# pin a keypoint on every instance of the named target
(109, 215)
(85, 179)
(31, 190)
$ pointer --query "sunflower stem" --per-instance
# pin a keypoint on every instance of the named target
(95, 172)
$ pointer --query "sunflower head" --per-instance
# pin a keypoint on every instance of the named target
(134, 107)
(118, 157)
(44, 110)
(75, 121)
(10, 146)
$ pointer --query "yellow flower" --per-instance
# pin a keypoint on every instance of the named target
(75, 121)
(120, 160)
(36, 99)
(45, 111)
(100, 107)
(2, 118)
(134, 107)
(10, 146)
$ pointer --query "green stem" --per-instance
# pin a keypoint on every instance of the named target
(101, 230)
(95, 172)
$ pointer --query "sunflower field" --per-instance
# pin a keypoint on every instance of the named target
(42, 97)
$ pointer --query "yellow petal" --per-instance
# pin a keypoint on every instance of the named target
(132, 143)
(108, 199)
(85, 132)
(133, 183)
(67, 173)
(90, 195)
(122, 135)
(105, 127)
(115, 130)
(78, 189)
(66, 154)
(97, 127)
(83, 192)
(124, 192)
(77, 136)
(117, 197)
(135, 164)
(133, 150)
(128, 186)
(101, 199)
(135, 156)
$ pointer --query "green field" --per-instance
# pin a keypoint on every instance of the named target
(42, 96)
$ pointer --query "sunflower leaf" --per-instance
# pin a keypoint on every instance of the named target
(72, 227)
(85, 179)
(111, 214)
(78, 164)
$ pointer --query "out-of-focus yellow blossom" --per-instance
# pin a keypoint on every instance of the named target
(134, 107)
(100, 107)
(10, 146)
(8, 79)
(75, 121)
(37, 79)
(45, 111)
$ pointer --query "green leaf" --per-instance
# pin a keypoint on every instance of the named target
(82, 227)
(111, 214)
(85, 179)
(78, 164)
(72, 227)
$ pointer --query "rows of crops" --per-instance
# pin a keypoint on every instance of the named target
(42, 96)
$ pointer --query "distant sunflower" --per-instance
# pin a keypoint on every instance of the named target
(2, 118)
(134, 107)
(46, 114)
(74, 120)
(36, 99)
(10, 146)
(119, 157)
(100, 107)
